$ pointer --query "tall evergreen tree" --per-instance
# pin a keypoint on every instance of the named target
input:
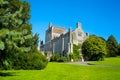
(112, 46)
(15, 31)
(15, 27)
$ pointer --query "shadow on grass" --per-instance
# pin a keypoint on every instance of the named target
(90, 64)
(5, 74)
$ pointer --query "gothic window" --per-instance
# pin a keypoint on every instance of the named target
(79, 34)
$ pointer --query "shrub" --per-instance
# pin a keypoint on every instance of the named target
(30, 61)
(70, 56)
(62, 59)
(6, 65)
(57, 58)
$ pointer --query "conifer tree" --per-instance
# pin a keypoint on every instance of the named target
(112, 46)
(15, 31)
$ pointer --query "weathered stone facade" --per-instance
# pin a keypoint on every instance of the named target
(58, 40)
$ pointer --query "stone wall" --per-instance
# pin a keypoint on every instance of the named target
(60, 44)
(78, 35)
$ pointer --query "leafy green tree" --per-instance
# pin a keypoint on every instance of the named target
(112, 46)
(94, 48)
(16, 35)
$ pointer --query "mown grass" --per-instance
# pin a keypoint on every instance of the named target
(112, 61)
(58, 71)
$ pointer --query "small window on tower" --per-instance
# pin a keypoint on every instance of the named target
(79, 34)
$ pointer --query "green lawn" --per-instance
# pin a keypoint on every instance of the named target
(113, 61)
(58, 71)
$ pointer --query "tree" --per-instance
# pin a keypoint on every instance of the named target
(16, 35)
(112, 46)
(118, 50)
(94, 48)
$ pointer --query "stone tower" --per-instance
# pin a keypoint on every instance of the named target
(78, 25)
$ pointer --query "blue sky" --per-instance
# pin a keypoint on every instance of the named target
(100, 17)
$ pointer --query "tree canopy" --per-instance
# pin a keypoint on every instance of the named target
(112, 46)
(94, 48)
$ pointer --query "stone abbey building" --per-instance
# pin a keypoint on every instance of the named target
(58, 40)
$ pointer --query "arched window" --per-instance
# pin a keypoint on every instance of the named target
(79, 34)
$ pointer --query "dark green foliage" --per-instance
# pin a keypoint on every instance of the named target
(112, 46)
(57, 58)
(30, 61)
(6, 64)
(63, 59)
(94, 48)
(75, 55)
(17, 42)
(118, 50)
(14, 13)
(71, 56)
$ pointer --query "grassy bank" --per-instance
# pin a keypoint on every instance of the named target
(58, 71)
(112, 61)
